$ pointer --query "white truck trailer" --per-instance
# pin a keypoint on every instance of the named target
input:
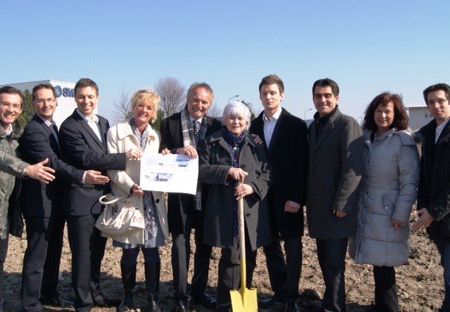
(64, 96)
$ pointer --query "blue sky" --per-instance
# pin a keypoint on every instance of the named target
(366, 46)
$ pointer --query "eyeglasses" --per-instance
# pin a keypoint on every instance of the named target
(11, 105)
(43, 101)
(437, 101)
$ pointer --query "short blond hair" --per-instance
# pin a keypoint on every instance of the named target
(148, 96)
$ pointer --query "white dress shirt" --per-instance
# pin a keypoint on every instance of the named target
(269, 126)
(50, 124)
(9, 130)
(92, 121)
(439, 130)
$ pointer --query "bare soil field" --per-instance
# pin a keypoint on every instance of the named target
(420, 284)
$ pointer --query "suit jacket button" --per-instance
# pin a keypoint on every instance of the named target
(157, 200)
(247, 215)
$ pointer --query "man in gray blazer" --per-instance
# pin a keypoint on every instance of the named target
(333, 176)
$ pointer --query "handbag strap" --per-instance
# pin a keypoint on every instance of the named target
(102, 200)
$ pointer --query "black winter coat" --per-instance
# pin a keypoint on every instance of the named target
(288, 159)
(181, 205)
(218, 192)
(434, 185)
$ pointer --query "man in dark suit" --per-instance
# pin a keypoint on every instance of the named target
(83, 144)
(434, 190)
(11, 104)
(180, 133)
(335, 153)
(285, 139)
(42, 204)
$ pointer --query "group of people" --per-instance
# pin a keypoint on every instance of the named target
(358, 184)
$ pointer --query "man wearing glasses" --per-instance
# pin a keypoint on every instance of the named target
(434, 186)
(11, 104)
(42, 204)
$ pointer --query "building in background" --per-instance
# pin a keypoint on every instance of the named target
(419, 116)
(64, 94)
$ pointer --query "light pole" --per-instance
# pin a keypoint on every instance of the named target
(304, 113)
(232, 97)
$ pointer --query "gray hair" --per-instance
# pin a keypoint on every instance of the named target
(237, 108)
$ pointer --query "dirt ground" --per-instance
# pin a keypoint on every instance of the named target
(420, 284)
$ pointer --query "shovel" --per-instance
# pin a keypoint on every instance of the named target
(243, 300)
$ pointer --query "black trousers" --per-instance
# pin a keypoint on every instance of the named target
(331, 254)
(88, 248)
(41, 261)
(3, 251)
(129, 255)
(230, 273)
(284, 274)
(386, 298)
(53, 258)
(180, 261)
(152, 268)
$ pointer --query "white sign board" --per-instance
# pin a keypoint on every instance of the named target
(171, 173)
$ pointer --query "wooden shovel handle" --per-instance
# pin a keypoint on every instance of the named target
(242, 243)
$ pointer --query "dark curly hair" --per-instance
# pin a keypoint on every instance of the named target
(401, 119)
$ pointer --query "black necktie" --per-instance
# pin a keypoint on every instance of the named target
(55, 133)
(196, 130)
(55, 128)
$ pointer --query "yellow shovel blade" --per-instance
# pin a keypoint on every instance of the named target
(244, 300)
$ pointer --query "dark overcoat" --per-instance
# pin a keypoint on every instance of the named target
(215, 162)
(434, 185)
(181, 205)
(288, 159)
(335, 168)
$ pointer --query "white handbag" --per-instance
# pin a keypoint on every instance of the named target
(119, 216)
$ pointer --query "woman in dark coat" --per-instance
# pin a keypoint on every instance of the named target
(233, 166)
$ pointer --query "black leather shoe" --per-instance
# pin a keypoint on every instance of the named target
(182, 306)
(127, 303)
(102, 302)
(291, 307)
(311, 306)
(51, 301)
(268, 302)
(223, 308)
(55, 302)
(153, 303)
(205, 300)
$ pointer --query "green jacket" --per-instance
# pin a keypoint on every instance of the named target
(10, 166)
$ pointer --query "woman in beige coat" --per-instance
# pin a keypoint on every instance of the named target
(137, 132)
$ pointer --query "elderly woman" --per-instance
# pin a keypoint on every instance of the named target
(125, 136)
(387, 192)
(233, 166)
